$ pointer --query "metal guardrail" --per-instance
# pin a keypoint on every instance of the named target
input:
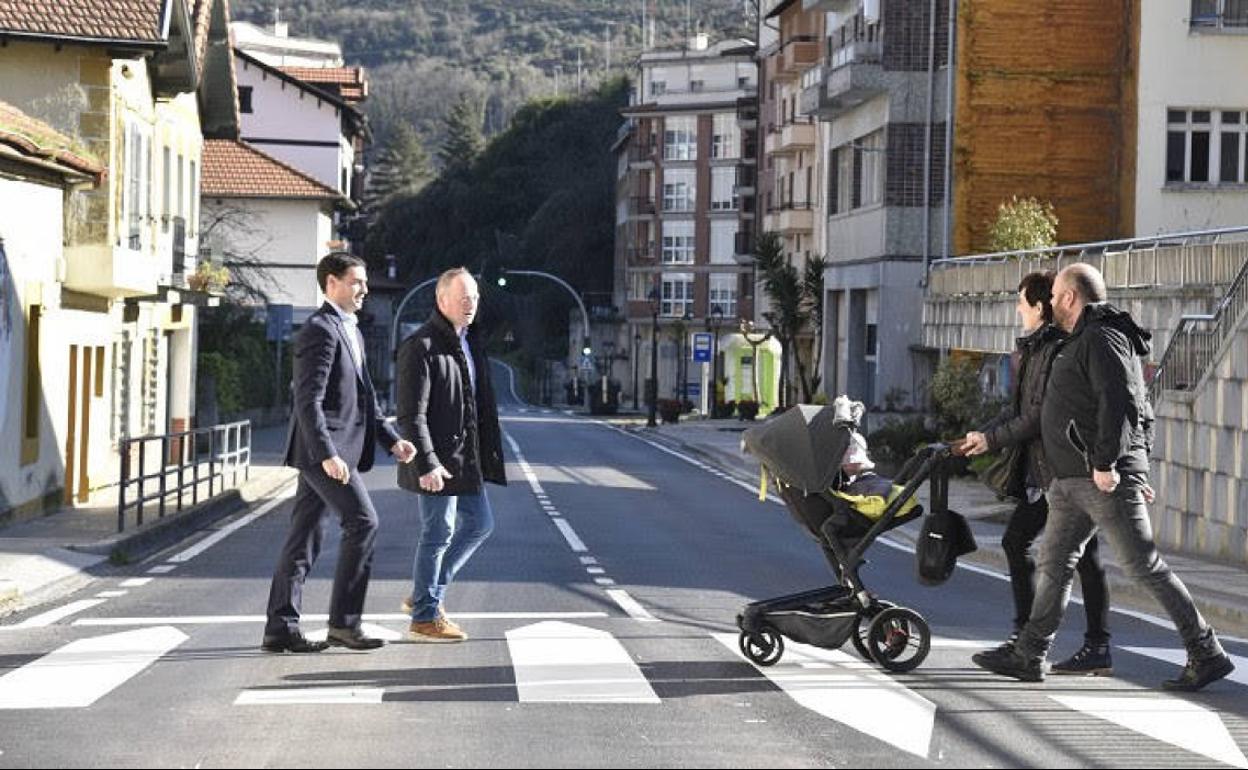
(1194, 346)
(1201, 257)
(224, 449)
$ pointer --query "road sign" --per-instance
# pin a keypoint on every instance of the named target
(278, 320)
(701, 347)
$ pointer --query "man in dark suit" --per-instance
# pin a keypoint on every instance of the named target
(446, 407)
(333, 425)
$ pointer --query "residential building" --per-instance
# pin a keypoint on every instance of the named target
(1191, 168)
(684, 191)
(119, 79)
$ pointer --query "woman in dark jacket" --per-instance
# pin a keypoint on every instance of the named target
(1028, 476)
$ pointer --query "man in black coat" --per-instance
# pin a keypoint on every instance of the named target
(1096, 424)
(446, 408)
(333, 424)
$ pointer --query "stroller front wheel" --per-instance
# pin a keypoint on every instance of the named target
(899, 639)
(862, 625)
(763, 647)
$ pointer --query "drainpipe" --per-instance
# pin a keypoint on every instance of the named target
(950, 58)
(927, 142)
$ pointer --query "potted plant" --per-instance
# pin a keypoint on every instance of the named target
(209, 278)
(747, 409)
(669, 409)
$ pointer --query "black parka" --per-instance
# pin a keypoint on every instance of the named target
(1019, 424)
(449, 423)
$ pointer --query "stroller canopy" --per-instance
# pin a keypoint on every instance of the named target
(802, 447)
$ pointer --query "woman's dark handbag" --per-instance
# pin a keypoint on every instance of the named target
(945, 536)
(1005, 475)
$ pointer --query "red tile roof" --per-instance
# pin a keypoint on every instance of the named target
(350, 83)
(138, 21)
(35, 139)
(234, 169)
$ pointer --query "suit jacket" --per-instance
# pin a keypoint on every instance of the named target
(450, 423)
(335, 406)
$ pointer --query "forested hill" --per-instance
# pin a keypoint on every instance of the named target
(424, 54)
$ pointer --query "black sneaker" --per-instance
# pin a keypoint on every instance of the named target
(1200, 672)
(1006, 661)
(1090, 660)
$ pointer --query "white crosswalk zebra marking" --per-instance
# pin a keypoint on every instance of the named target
(850, 691)
(557, 662)
(1179, 657)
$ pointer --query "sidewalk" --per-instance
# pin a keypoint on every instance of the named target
(1220, 590)
(44, 558)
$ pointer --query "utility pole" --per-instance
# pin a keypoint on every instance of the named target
(607, 34)
(580, 77)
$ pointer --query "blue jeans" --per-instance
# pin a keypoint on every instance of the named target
(451, 529)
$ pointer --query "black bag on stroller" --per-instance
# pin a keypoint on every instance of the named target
(802, 451)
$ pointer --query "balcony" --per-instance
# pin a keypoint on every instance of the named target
(792, 217)
(791, 138)
(642, 254)
(747, 111)
(795, 55)
(747, 177)
(641, 206)
(111, 271)
(852, 76)
(642, 154)
(176, 278)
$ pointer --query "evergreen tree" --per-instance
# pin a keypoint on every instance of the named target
(402, 167)
(464, 140)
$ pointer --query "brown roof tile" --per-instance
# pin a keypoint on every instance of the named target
(35, 139)
(234, 169)
(126, 20)
(351, 75)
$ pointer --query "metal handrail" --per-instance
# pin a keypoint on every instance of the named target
(1161, 239)
(1192, 351)
(224, 449)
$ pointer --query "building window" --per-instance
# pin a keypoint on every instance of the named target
(844, 180)
(134, 186)
(639, 286)
(193, 225)
(726, 136)
(680, 138)
(723, 292)
(678, 243)
(679, 190)
(723, 241)
(724, 188)
(1219, 13)
(871, 159)
(1206, 146)
(871, 341)
(244, 99)
(676, 294)
(697, 85)
(658, 87)
(32, 402)
(167, 189)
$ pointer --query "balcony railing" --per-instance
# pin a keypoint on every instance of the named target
(642, 153)
(641, 206)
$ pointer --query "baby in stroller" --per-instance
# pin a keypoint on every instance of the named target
(860, 489)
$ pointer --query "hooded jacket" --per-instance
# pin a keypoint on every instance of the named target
(1096, 414)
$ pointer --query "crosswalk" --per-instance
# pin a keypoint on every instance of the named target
(576, 659)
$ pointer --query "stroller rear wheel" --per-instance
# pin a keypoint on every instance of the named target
(763, 647)
(899, 639)
(862, 624)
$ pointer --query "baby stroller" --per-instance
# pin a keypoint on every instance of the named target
(802, 450)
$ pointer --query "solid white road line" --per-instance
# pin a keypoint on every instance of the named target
(111, 594)
(630, 606)
(81, 672)
(60, 613)
(1177, 722)
(557, 662)
(320, 696)
(162, 569)
(852, 692)
(213, 539)
(198, 620)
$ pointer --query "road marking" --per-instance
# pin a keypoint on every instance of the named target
(596, 570)
(198, 620)
(162, 569)
(604, 581)
(589, 560)
(135, 582)
(1177, 722)
(630, 606)
(208, 542)
(51, 616)
(557, 662)
(80, 673)
(322, 696)
(111, 594)
(574, 542)
(852, 692)
(1178, 657)
(369, 629)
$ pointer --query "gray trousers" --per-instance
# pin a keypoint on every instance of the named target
(1077, 509)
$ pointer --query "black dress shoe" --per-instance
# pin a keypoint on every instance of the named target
(295, 642)
(1006, 660)
(352, 638)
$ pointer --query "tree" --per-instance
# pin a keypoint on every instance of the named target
(464, 141)
(795, 300)
(1023, 224)
(402, 167)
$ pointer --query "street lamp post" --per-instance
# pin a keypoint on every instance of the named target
(636, 355)
(714, 319)
(755, 339)
(653, 393)
(682, 366)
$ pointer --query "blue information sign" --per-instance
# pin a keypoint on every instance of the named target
(702, 347)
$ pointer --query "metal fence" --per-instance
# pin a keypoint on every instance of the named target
(173, 468)
(1198, 258)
